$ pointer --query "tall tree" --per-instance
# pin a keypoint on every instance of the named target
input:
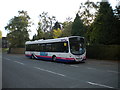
(34, 37)
(67, 27)
(103, 31)
(57, 25)
(88, 11)
(117, 25)
(45, 25)
(18, 29)
(117, 12)
(78, 27)
(56, 32)
(40, 33)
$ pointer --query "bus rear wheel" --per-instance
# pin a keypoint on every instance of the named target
(33, 56)
(53, 58)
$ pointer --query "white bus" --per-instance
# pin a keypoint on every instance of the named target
(66, 49)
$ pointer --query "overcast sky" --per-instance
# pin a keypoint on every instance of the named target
(61, 9)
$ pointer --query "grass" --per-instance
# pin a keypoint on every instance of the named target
(5, 49)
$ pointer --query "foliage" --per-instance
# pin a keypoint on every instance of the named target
(117, 12)
(103, 28)
(103, 52)
(57, 25)
(67, 27)
(18, 29)
(88, 11)
(78, 27)
(57, 33)
(116, 39)
(45, 25)
(40, 33)
(46, 21)
(34, 37)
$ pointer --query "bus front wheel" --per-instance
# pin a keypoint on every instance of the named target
(33, 56)
(54, 58)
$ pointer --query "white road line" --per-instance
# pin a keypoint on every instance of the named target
(103, 70)
(99, 84)
(113, 71)
(50, 71)
(91, 68)
(19, 62)
(7, 58)
(74, 65)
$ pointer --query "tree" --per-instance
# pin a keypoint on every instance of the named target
(45, 24)
(57, 25)
(34, 37)
(117, 12)
(78, 27)
(102, 29)
(117, 25)
(40, 33)
(88, 11)
(57, 33)
(67, 27)
(18, 29)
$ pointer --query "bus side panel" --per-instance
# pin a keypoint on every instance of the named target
(28, 54)
(62, 57)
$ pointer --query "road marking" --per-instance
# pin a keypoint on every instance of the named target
(50, 71)
(113, 71)
(99, 84)
(91, 68)
(7, 59)
(74, 65)
(19, 62)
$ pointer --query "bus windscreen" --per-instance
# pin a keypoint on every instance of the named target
(77, 46)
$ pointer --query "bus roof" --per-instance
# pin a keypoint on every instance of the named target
(63, 39)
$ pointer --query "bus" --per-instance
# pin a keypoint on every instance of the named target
(66, 49)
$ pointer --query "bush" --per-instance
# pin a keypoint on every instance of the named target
(103, 52)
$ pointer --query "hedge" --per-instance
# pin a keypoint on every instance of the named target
(110, 52)
(16, 50)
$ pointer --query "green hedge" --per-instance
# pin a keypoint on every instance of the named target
(103, 52)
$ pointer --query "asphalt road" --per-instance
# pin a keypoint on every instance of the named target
(19, 71)
(0, 68)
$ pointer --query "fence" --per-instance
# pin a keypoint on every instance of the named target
(17, 50)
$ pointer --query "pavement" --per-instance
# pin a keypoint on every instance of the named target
(19, 71)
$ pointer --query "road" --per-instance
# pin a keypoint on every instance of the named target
(0, 68)
(22, 72)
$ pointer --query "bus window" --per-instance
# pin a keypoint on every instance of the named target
(61, 47)
(77, 46)
(49, 47)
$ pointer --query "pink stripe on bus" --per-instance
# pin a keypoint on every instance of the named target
(43, 56)
(27, 54)
(65, 58)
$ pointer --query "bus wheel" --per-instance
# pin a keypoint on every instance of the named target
(53, 58)
(32, 57)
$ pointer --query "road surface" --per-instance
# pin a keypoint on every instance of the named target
(22, 72)
(0, 68)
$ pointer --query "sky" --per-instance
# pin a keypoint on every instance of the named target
(61, 9)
